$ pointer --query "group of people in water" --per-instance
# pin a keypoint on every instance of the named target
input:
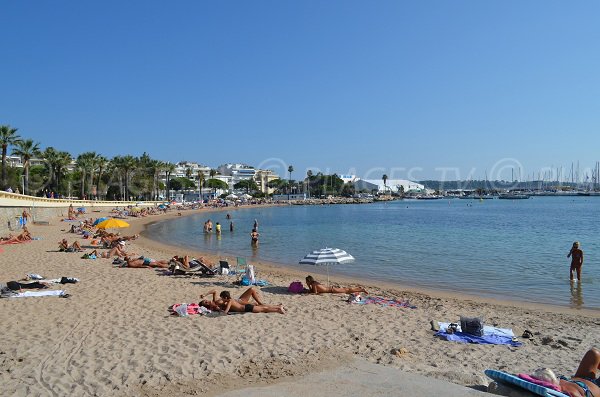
(254, 235)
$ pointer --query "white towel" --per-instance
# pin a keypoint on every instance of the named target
(33, 294)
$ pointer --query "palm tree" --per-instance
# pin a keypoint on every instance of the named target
(101, 164)
(129, 164)
(290, 170)
(85, 165)
(169, 169)
(385, 178)
(200, 177)
(309, 175)
(26, 150)
(8, 136)
(116, 165)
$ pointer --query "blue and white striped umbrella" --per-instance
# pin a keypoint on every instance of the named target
(326, 256)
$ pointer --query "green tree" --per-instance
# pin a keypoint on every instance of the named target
(247, 184)
(85, 165)
(216, 184)
(169, 169)
(290, 170)
(129, 165)
(26, 149)
(8, 136)
(309, 175)
(384, 178)
(200, 178)
(181, 183)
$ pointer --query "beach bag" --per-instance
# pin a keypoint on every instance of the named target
(296, 287)
(472, 325)
(245, 281)
(250, 275)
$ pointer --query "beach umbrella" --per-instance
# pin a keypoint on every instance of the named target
(112, 223)
(97, 221)
(327, 256)
(162, 206)
(231, 196)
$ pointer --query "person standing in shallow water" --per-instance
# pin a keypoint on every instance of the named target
(576, 255)
(254, 237)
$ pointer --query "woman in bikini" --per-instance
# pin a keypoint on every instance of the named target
(585, 382)
(316, 287)
(145, 262)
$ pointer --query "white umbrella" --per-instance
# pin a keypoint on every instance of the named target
(231, 196)
(326, 256)
(246, 196)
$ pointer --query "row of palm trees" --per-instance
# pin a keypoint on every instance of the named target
(95, 176)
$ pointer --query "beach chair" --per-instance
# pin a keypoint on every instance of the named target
(240, 267)
(197, 268)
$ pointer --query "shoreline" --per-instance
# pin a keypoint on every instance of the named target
(141, 225)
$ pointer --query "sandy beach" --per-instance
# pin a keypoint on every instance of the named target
(114, 335)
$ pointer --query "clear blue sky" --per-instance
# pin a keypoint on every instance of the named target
(341, 86)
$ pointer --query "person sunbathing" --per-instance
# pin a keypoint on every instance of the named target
(117, 251)
(64, 246)
(142, 261)
(316, 287)
(585, 382)
(186, 263)
(19, 238)
(241, 305)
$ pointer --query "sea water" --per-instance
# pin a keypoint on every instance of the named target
(506, 249)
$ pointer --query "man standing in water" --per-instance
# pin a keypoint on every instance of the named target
(254, 237)
(576, 256)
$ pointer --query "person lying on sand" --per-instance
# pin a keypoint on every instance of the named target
(242, 305)
(316, 287)
(19, 238)
(145, 262)
(585, 382)
(64, 246)
(117, 250)
(184, 261)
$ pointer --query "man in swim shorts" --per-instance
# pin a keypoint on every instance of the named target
(576, 255)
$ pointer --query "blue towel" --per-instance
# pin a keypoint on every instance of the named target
(492, 339)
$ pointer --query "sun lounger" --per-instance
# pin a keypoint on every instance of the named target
(197, 268)
(515, 381)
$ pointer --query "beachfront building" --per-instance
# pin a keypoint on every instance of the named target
(377, 186)
(262, 179)
(185, 168)
(236, 172)
(16, 161)
(241, 172)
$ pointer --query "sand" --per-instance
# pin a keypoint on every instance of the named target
(115, 337)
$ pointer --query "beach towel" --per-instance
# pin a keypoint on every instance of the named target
(540, 382)
(377, 300)
(491, 336)
(35, 294)
(186, 309)
(506, 378)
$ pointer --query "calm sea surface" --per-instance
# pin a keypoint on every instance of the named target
(495, 248)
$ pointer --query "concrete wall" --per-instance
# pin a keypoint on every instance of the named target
(43, 209)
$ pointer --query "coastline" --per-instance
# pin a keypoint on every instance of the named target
(114, 335)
